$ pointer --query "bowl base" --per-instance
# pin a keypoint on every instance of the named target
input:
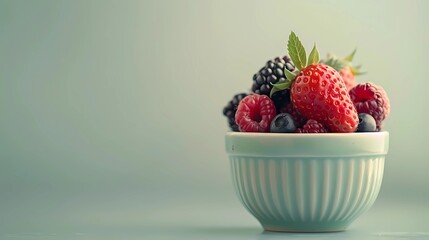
(305, 228)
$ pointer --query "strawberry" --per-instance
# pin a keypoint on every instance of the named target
(345, 67)
(317, 90)
(348, 77)
(319, 93)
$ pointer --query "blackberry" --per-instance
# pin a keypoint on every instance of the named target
(281, 99)
(271, 73)
(230, 109)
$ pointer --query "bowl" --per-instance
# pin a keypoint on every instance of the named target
(307, 182)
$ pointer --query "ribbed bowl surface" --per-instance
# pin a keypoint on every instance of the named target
(309, 193)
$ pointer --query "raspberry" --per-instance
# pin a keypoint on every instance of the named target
(372, 99)
(312, 126)
(255, 113)
(296, 116)
(230, 109)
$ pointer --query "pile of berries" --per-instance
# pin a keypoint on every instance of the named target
(296, 94)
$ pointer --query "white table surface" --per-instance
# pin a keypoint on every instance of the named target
(187, 217)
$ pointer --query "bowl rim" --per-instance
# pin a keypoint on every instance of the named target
(306, 135)
(306, 145)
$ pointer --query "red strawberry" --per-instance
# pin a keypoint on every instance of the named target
(348, 77)
(255, 113)
(317, 91)
(345, 67)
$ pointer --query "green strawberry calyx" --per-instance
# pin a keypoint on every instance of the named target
(340, 63)
(299, 59)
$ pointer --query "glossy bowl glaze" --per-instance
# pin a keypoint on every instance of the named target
(307, 182)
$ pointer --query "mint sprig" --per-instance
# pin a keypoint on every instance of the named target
(313, 58)
(296, 51)
(289, 75)
(280, 86)
(299, 59)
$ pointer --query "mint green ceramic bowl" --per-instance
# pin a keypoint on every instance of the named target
(307, 182)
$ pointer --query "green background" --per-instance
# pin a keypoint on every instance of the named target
(111, 111)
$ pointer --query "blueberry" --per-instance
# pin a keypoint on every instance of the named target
(366, 123)
(283, 123)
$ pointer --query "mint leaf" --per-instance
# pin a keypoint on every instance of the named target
(296, 51)
(313, 58)
(274, 90)
(280, 86)
(289, 75)
(349, 58)
(283, 85)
